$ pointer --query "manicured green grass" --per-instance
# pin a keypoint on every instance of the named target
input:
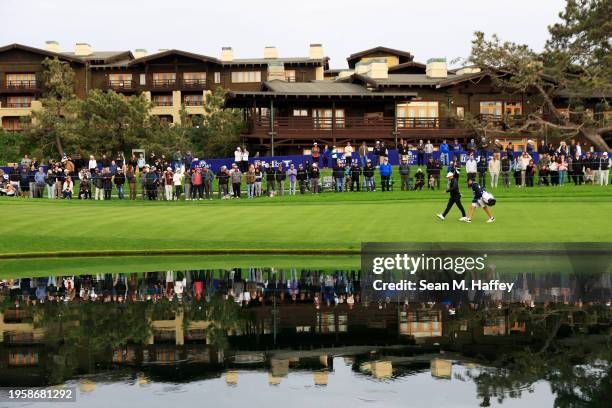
(14, 268)
(327, 221)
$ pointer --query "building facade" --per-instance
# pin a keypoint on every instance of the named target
(289, 102)
(171, 79)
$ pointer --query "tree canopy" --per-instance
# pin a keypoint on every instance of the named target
(575, 65)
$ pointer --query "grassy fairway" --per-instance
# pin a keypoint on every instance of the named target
(327, 221)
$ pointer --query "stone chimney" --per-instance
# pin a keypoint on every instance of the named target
(139, 53)
(227, 54)
(316, 51)
(361, 68)
(377, 69)
(270, 52)
(436, 68)
(82, 49)
(52, 46)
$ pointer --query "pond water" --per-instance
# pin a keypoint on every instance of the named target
(254, 336)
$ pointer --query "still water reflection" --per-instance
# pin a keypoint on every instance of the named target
(264, 337)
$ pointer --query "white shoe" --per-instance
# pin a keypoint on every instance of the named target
(490, 220)
(440, 216)
(464, 219)
(468, 220)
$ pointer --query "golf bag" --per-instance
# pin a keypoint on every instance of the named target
(488, 198)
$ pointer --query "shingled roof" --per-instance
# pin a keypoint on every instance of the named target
(404, 56)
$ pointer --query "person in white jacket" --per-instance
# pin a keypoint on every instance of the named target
(525, 159)
(93, 164)
(494, 169)
(471, 167)
(238, 155)
(177, 180)
(244, 157)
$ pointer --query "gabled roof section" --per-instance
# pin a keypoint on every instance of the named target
(167, 53)
(404, 56)
(40, 51)
(103, 57)
(410, 67)
(397, 80)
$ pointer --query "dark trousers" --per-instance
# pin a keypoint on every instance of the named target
(457, 201)
(420, 158)
(384, 180)
(107, 193)
(178, 191)
(481, 179)
(471, 176)
(355, 182)
(198, 191)
(208, 188)
(236, 189)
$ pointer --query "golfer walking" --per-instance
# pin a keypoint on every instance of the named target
(455, 197)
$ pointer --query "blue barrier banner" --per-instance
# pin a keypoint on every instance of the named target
(216, 164)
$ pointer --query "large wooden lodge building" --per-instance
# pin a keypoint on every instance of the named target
(288, 102)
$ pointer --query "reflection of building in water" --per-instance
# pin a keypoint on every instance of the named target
(321, 378)
(421, 323)
(174, 330)
(441, 368)
(231, 377)
(378, 369)
(17, 328)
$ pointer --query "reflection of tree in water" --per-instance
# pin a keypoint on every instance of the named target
(78, 334)
(577, 366)
(223, 317)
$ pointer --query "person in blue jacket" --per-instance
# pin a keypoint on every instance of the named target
(477, 201)
(385, 174)
(444, 150)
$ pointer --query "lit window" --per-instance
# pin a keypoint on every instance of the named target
(417, 114)
(246, 76)
(194, 78)
(300, 112)
(460, 112)
(290, 75)
(217, 77)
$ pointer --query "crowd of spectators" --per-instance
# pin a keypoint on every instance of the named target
(334, 168)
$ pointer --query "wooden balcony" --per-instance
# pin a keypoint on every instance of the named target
(163, 84)
(193, 84)
(502, 119)
(293, 130)
(191, 102)
(17, 105)
(20, 86)
(162, 103)
(121, 85)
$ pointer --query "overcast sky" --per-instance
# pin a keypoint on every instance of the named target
(426, 28)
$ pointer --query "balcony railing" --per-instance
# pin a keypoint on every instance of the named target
(352, 122)
(162, 103)
(498, 119)
(194, 82)
(163, 83)
(358, 127)
(193, 102)
(121, 84)
(19, 104)
(21, 85)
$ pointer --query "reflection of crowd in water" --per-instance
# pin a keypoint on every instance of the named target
(264, 286)
(248, 287)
